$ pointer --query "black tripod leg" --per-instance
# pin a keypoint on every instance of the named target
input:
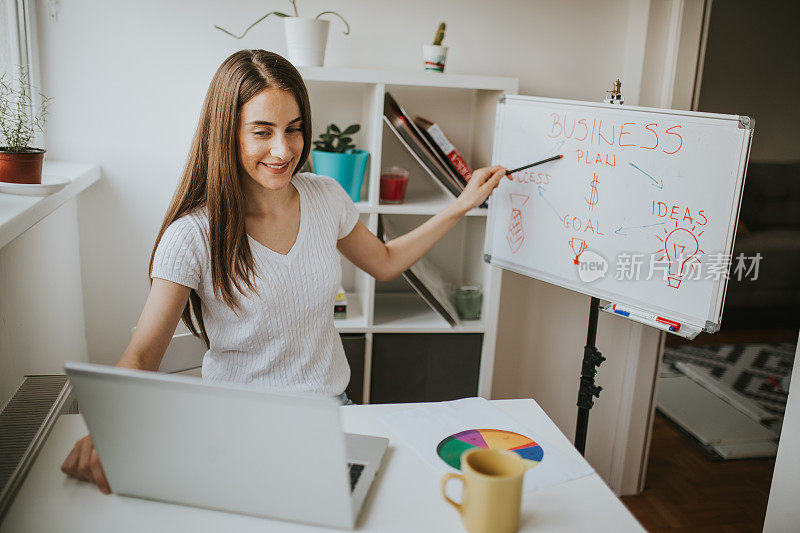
(591, 359)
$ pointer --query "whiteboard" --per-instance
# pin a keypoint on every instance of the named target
(641, 210)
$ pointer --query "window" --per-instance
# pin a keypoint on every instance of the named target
(7, 51)
(18, 46)
(18, 38)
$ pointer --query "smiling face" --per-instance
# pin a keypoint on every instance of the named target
(270, 138)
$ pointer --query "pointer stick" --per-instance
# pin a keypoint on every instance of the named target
(534, 164)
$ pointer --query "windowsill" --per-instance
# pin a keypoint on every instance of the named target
(19, 213)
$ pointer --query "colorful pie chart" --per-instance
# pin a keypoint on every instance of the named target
(451, 448)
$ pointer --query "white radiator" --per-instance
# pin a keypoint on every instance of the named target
(25, 423)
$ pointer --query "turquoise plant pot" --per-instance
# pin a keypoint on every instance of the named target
(347, 168)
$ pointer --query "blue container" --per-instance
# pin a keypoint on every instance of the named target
(347, 168)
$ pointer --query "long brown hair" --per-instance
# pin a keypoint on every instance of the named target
(211, 176)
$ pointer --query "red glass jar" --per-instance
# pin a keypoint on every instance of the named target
(393, 185)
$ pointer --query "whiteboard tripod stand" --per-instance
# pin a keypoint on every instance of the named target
(592, 358)
(671, 183)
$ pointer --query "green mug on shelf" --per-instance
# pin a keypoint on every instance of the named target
(468, 298)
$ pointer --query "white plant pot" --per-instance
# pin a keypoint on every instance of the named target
(305, 41)
(435, 57)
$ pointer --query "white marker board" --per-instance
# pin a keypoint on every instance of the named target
(637, 186)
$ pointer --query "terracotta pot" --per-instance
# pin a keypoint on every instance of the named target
(21, 167)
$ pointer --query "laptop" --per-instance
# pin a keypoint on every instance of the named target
(225, 446)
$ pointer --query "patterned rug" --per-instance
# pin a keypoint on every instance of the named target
(759, 371)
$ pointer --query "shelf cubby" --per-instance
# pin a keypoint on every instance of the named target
(398, 306)
(343, 104)
(464, 106)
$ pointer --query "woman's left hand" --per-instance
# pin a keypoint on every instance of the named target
(483, 182)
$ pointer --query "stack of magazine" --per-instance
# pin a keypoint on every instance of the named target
(429, 146)
(436, 154)
(425, 279)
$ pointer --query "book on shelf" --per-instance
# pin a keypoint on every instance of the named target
(445, 148)
(424, 149)
(425, 278)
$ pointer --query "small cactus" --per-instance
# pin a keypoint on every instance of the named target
(437, 40)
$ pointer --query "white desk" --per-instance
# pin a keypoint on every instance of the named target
(405, 496)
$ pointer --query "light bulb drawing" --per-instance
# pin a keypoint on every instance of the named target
(516, 231)
(681, 248)
(578, 247)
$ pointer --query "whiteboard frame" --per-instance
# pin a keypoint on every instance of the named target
(714, 313)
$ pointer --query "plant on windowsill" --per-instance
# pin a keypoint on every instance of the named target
(305, 37)
(19, 121)
(336, 156)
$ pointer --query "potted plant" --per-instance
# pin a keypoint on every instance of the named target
(305, 37)
(19, 122)
(336, 156)
(435, 54)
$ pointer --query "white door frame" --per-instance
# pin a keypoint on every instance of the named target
(632, 436)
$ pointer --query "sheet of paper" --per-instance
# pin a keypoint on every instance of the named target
(423, 428)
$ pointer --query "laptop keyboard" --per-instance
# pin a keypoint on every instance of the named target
(355, 473)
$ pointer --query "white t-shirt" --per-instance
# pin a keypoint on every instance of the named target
(283, 336)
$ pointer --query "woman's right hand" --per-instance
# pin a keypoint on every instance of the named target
(84, 463)
(482, 183)
(155, 328)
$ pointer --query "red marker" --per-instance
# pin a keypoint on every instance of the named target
(676, 325)
(671, 325)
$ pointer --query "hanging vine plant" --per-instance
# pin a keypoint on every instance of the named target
(285, 15)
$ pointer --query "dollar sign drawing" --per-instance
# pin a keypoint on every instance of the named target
(593, 196)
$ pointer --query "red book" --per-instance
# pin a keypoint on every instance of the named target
(417, 140)
(447, 148)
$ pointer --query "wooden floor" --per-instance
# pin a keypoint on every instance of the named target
(686, 490)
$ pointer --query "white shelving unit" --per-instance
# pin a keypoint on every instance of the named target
(464, 106)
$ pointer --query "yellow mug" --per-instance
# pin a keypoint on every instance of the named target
(492, 492)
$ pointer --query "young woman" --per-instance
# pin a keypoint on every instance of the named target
(247, 254)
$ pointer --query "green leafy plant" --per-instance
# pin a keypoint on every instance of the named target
(335, 140)
(19, 119)
(284, 15)
(439, 37)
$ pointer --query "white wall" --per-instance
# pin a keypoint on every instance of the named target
(541, 337)
(128, 79)
(41, 301)
(657, 42)
(687, 56)
(674, 29)
(783, 513)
